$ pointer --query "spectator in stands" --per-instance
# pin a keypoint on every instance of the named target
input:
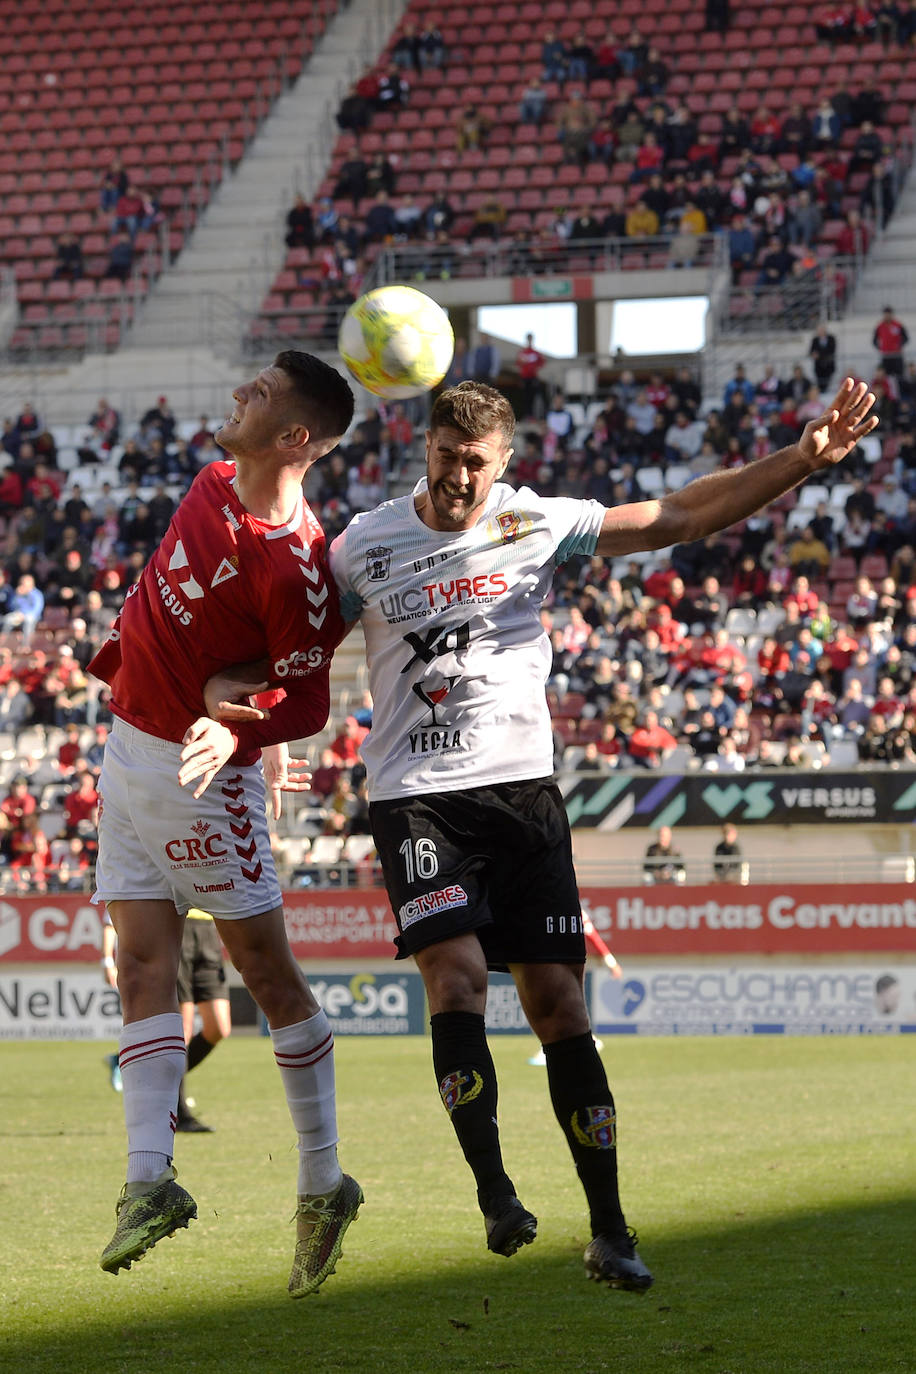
(472, 128)
(685, 243)
(432, 47)
(393, 90)
(641, 222)
(576, 122)
(485, 361)
(381, 222)
(489, 219)
(406, 50)
(728, 863)
(25, 608)
(529, 363)
(868, 149)
(853, 239)
(742, 246)
(663, 863)
(580, 59)
(105, 423)
(16, 709)
(300, 227)
(890, 338)
(533, 105)
(69, 252)
(120, 257)
(129, 211)
(775, 263)
(822, 352)
(554, 56)
(650, 743)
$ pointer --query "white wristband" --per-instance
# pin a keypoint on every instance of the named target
(108, 962)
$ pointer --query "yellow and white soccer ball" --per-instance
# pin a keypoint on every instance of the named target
(396, 341)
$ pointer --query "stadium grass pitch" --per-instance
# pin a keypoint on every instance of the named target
(771, 1181)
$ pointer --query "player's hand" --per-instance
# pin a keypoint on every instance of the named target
(612, 966)
(828, 439)
(283, 774)
(207, 746)
(227, 699)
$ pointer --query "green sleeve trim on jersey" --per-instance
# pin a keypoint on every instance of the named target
(575, 544)
(351, 605)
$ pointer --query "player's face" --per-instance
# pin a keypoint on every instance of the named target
(459, 474)
(259, 416)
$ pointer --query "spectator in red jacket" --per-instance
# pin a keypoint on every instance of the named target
(650, 742)
(890, 338)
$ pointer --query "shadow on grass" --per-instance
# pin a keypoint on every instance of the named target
(825, 1293)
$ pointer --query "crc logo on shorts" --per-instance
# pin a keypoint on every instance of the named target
(203, 849)
(430, 902)
(299, 663)
(458, 1088)
(595, 1127)
(378, 563)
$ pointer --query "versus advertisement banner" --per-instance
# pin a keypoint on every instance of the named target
(754, 998)
(763, 798)
(715, 919)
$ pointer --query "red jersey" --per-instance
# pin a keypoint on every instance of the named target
(529, 362)
(222, 588)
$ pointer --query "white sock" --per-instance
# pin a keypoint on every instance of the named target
(153, 1058)
(305, 1057)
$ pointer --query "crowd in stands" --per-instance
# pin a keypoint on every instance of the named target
(795, 190)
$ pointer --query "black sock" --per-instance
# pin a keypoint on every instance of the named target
(198, 1048)
(467, 1086)
(584, 1108)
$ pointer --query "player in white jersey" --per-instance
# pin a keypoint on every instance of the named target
(473, 838)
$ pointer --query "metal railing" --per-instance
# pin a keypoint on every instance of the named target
(528, 256)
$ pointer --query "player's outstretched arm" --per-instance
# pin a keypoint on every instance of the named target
(712, 503)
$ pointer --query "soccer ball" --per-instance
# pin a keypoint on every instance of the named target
(396, 342)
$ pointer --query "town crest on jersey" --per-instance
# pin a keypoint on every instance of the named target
(378, 563)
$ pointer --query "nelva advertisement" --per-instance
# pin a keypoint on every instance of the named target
(755, 998)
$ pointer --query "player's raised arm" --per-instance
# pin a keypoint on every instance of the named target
(722, 498)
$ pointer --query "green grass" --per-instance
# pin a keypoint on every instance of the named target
(772, 1183)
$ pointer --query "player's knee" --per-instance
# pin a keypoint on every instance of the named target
(145, 983)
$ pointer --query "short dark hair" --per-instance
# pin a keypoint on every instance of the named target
(322, 389)
(474, 409)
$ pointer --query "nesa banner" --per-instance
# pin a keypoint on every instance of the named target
(716, 919)
(747, 998)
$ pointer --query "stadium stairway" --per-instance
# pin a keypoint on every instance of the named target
(890, 274)
(238, 246)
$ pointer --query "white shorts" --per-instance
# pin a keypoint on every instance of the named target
(157, 842)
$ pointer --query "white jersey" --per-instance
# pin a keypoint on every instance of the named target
(458, 657)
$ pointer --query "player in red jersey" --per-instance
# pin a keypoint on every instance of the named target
(240, 574)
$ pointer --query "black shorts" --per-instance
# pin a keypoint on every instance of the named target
(201, 972)
(496, 860)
